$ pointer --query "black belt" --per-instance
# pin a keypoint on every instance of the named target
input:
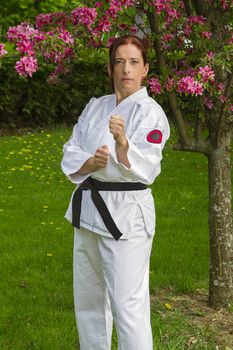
(95, 186)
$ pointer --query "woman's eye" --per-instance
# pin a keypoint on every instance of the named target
(118, 61)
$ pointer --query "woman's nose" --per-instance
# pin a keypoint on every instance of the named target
(126, 68)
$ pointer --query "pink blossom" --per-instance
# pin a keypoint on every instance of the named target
(53, 79)
(186, 71)
(196, 20)
(154, 85)
(190, 86)
(112, 12)
(223, 99)
(84, 15)
(110, 41)
(128, 3)
(123, 26)
(207, 73)
(57, 56)
(187, 30)
(231, 108)
(95, 41)
(220, 87)
(66, 36)
(2, 50)
(170, 84)
(206, 35)
(56, 51)
(172, 15)
(39, 37)
(180, 41)
(168, 37)
(231, 39)
(98, 4)
(161, 5)
(208, 102)
(26, 66)
(22, 31)
(121, 3)
(104, 25)
(25, 47)
(134, 30)
(56, 18)
(114, 8)
(210, 55)
(224, 4)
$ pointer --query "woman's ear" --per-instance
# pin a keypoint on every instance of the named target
(146, 70)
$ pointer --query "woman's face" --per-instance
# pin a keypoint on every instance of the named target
(129, 69)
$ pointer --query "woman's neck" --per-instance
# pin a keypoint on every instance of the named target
(120, 97)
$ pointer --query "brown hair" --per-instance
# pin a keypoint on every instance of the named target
(124, 40)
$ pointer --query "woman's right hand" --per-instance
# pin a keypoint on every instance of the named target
(101, 157)
(96, 162)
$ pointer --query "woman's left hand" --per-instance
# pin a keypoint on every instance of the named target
(117, 128)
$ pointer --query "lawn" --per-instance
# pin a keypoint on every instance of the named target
(36, 247)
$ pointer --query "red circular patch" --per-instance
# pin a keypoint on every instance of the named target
(155, 136)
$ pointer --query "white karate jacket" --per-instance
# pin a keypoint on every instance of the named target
(142, 115)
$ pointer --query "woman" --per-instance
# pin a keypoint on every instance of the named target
(113, 154)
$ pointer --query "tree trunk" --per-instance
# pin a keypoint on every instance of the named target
(220, 228)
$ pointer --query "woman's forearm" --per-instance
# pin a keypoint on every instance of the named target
(88, 167)
(96, 162)
(121, 151)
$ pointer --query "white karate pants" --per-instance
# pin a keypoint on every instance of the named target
(111, 282)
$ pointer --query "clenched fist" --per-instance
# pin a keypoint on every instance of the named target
(97, 161)
(117, 128)
(101, 157)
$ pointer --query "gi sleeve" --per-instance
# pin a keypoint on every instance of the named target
(73, 155)
(146, 142)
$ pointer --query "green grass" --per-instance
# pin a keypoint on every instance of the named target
(36, 244)
(180, 254)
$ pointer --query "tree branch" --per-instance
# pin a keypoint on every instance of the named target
(204, 147)
(154, 25)
(178, 118)
(137, 24)
(198, 127)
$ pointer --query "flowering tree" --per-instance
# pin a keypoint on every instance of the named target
(191, 50)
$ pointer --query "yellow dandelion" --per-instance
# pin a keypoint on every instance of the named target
(168, 306)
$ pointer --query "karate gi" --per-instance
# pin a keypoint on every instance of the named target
(111, 278)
